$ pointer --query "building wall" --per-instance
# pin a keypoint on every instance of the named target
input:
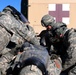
(38, 8)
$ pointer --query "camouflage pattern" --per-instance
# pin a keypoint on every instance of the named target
(72, 71)
(71, 51)
(47, 20)
(31, 70)
(67, 49)
(13, 29)
(17, 28)
(59, 28)
(4, 60)
(4, 39)
(53, 66)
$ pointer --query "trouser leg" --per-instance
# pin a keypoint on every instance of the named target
(4, 60)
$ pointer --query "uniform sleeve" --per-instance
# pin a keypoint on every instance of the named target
(71, 51)
(4, 38)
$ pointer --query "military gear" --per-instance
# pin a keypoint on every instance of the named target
(18, 30)
(47, 20)
(67, 49)
(31, 70)
(59, 28)
(47, 39)
(71, 50)
(32, 55)
(15, 13)
(72, 71)
(4, 38)
(36, 61)
(4, 61)
(55, 66)
(13, 32)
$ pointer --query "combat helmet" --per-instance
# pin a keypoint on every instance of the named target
(47, 20)
(60, 28)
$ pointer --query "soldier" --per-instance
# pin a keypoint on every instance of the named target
(63, 42)
(48, 22)
(66, 47)
(14, 31)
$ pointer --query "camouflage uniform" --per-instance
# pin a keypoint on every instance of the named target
(12, 29)
(71, 50)
(4, 39)
(47, 20)
(31, 70)
(47, 39)
(66, 48)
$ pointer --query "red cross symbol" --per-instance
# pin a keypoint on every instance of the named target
(59, 14)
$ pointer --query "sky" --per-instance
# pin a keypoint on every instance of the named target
(14, 3)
